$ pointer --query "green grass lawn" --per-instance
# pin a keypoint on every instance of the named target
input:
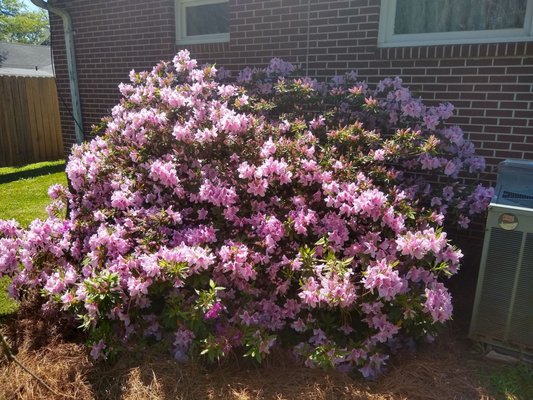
(7, 305)
(24, 197)
(24, 190)
(509, 381)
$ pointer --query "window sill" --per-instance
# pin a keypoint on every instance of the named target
(445, 42)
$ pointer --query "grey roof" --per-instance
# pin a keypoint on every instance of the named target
(25, 60)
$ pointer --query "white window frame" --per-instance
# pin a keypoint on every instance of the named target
(181, 24)
(387, 38)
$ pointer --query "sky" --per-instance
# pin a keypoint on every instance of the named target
(30, 5)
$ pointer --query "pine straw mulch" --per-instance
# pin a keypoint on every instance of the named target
(440, 371)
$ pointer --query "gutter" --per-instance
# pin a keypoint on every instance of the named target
(71, 65)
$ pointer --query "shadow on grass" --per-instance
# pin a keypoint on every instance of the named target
(32, 173)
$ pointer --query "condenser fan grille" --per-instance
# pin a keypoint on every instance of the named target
(503, 310)
(521, 321)
(500, 268)
(516, 196)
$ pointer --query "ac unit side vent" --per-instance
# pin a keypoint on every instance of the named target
(521, 326)
(516, 196)
(498, 281)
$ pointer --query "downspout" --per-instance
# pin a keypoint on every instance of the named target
(71, 65)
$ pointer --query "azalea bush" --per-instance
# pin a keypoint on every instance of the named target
(222, 216)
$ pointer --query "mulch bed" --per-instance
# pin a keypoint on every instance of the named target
(446, 369)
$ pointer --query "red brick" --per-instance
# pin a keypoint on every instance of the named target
(499, 113)
(475, 78)
(513, 122)
(497, 145)
(528, 132)
(490, 84)
(527, 147)
(524, 70)
(524, 96)
(507, 154)
(523, 114)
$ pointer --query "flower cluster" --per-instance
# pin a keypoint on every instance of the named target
(231, 217)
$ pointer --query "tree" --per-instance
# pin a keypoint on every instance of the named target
(19, 24)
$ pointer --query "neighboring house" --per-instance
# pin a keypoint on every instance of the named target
(477, 54)
(25, 60)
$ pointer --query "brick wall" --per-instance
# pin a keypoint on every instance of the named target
(111, 38)
(490, 84)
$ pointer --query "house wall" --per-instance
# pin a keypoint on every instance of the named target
(490, 84)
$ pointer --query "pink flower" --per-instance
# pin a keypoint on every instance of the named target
(214, 311)
(299, 326)
(183, 61)
(413, 108)
(379, 155)
(56, 191)
(452, 168)
(309, 292)
(227, 90)
(268, 149)
(164, 172)
(279, 67)
(463, 221)
(318, 122)
(258, 187)
(54, 284)
(97, 351)
(217, 194)
(385, 280)
(438, 302)
(182, 341)
(431, 121)
(8, 256)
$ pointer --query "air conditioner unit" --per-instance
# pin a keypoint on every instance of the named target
(503, 307)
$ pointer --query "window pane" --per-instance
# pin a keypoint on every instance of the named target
(207, 19)
(425, 16)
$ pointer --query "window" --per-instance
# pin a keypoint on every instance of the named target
(428, 22)
(202, 21)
